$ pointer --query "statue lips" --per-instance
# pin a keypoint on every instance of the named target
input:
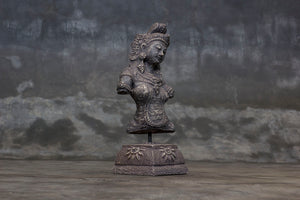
(160, 58)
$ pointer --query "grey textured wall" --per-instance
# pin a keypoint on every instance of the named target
(235, 66)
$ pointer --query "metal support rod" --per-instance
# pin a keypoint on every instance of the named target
(150, 138)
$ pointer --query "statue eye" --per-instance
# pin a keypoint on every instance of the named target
(158, 47)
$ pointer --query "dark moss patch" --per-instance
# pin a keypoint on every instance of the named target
(264, 156)
(232, 122)
(205, 126)
(126, 119)
(69, 157)
(178, 135)
(277, 143)
(97, 125)
(113, 108)
(59, 102)
(59, 133)
(111, 134)
(252, 137)
(264, 128)
(246, 120)
(1, 139)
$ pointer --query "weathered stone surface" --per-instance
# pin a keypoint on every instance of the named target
(233, 53)
(95, 130)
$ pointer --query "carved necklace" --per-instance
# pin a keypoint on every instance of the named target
(153, 80)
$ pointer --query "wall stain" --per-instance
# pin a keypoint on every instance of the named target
(204, 126)
(207, 127)
(110, 134)
(59, 102)
(263, 156)
(61, 132)
(252, 137)
(97, 125)
(1, 138)
(246, 120)
(264, 128)
(111, 108)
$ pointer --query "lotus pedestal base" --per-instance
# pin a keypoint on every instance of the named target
(150, 160)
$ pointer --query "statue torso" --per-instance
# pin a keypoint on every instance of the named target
(150, 94)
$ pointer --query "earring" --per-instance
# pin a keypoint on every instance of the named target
(141, 67)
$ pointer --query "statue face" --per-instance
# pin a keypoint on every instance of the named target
(155, 52)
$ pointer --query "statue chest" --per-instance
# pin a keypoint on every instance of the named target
(145, 93)
(150, 101)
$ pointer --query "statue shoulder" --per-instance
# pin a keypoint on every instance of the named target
(125, 81)
(127, 71)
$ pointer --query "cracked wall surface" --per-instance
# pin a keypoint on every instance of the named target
(234, 64)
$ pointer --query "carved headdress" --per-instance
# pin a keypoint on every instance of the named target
(156, 32)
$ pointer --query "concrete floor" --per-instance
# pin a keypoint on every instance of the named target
(85, 180)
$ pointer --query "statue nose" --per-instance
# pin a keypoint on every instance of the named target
(161, 53)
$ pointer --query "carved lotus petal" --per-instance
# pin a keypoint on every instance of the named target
(134, 153)
(168, 153)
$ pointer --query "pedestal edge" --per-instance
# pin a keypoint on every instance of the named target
(180, 169)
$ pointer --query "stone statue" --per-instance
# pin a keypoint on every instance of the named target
(143, 80)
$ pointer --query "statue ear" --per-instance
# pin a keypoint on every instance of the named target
(143, 46)
(142, 54)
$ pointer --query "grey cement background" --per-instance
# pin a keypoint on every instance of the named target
(235, 66)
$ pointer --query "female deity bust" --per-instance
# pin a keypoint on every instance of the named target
(143, 80)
